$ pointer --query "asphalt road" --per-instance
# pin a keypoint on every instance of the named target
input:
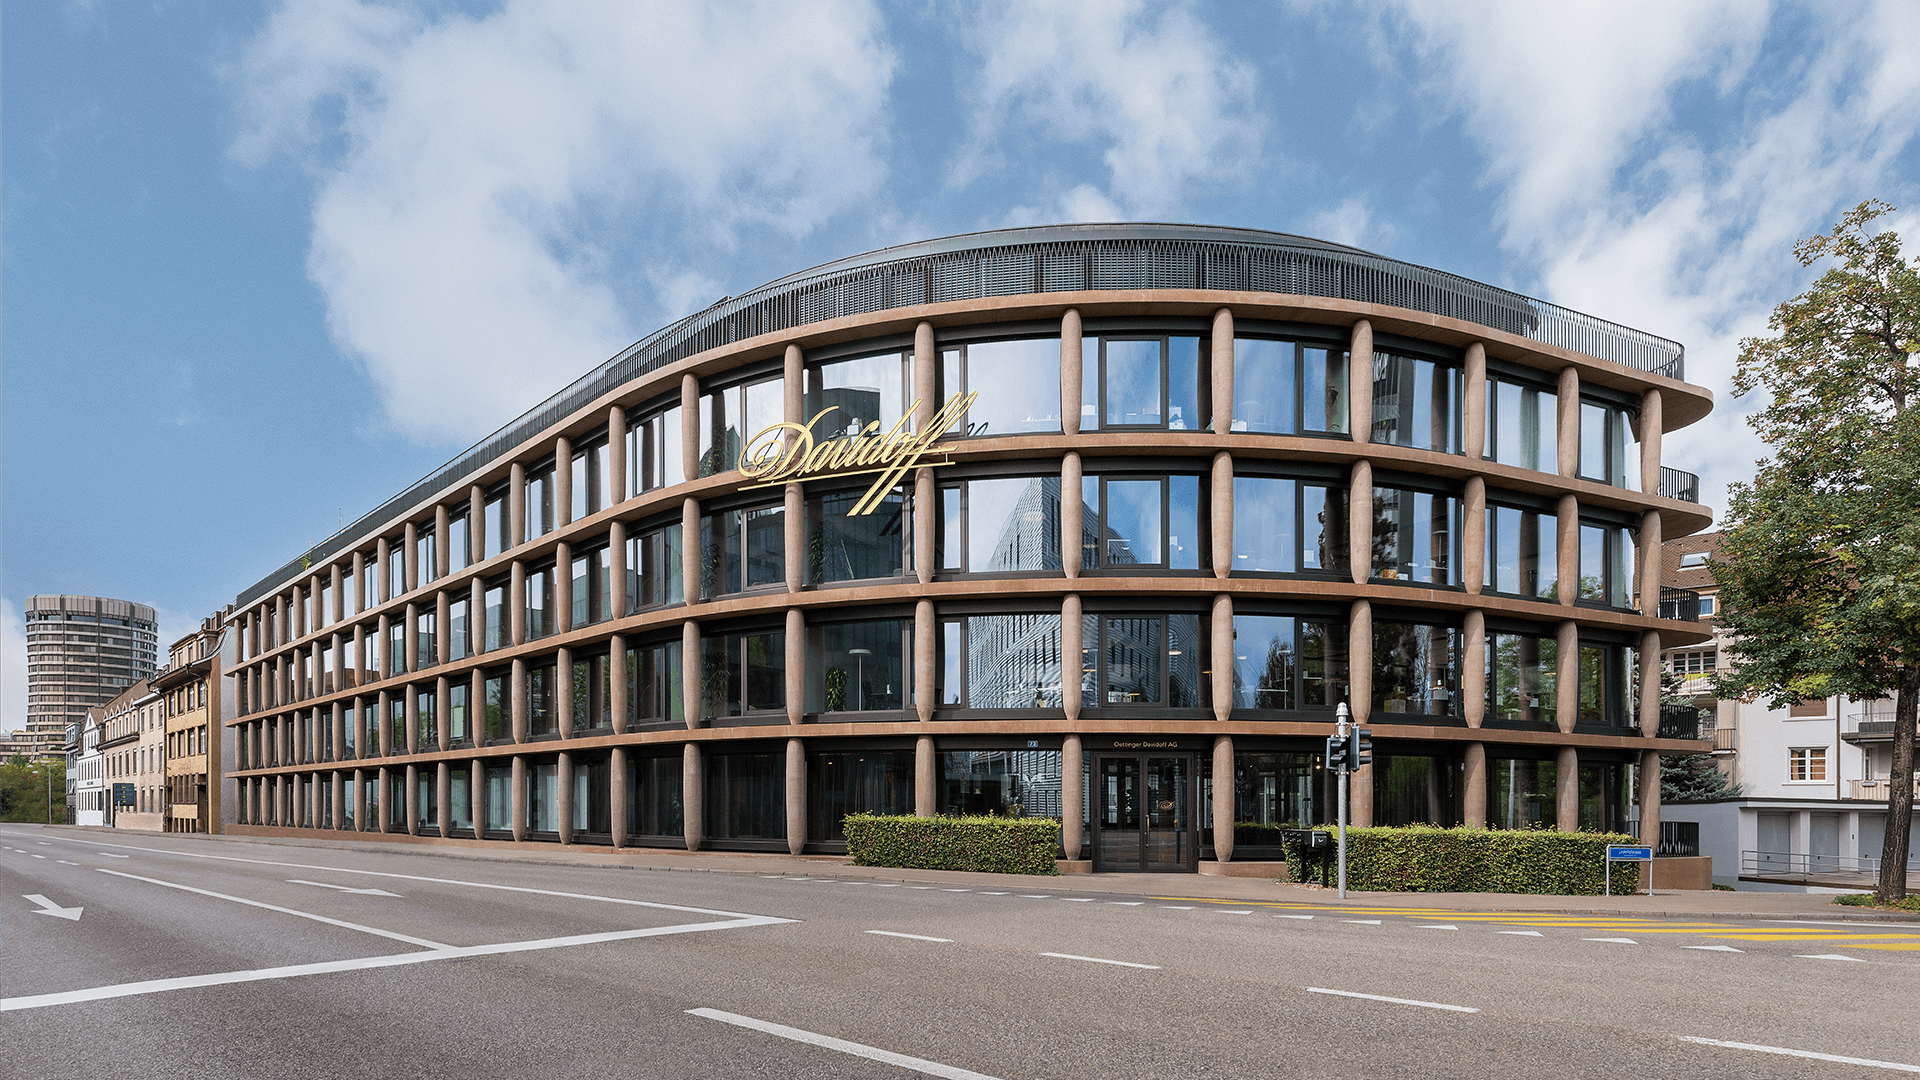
(214, 958)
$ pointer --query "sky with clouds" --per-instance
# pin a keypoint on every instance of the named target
(267, 264)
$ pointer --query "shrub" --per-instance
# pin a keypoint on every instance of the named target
(1865, 899)
(1422, 858)
(992, 845)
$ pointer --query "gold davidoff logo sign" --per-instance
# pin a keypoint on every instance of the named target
(771, 458)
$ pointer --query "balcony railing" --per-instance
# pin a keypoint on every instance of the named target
(1726, 739)
(1679, 604)
(1675, 484)
(1801, 866)
(1679, 722)
(1878, 790)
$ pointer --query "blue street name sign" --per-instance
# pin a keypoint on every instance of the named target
(1625, 853)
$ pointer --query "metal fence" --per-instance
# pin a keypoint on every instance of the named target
(1675, 484)
(1022, 262)
(1679, 603)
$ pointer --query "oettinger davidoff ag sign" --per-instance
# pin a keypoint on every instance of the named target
(771, 457)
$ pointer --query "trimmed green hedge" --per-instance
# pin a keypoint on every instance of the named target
(993, 845)
(1422, 858)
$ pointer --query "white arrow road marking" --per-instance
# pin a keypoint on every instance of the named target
(343, 888)
(1613, 940)
(910, 937)
(1713, 948)
(1521, 933)
(48, 907)
(422, 942)
(1436, 926)
(1363, 922)
(1293, 916)
(1830, 956)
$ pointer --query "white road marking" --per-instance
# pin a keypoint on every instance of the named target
(884, 884)
(1612, 940)
(1174, 907)
(827, 1042)
(44, 843)
(1713, 948)
(111, 855)
(1896, 1066)
(422, 942)
(1125, 903)
(1436, 926)
(223, 978)
(1830, 956)
(36, 856)
(1097, 960)
(344, 888)
(956, 890)
(993, 894)
(1078, 899)
(1248, 911)
(910, 937)
(922, 888)
(1391, 1000)
(64, 862)
(48, 907)
(1363, 922)
(1302, 917)
(1030, 896)
(1521, 933)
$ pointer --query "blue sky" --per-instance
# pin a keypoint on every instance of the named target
(266, 264)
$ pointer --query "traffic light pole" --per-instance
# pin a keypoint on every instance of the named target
(1342, 856)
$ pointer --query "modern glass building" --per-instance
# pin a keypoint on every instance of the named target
(81, 652)
(1097, 523)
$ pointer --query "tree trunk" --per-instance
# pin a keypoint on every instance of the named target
(1893, 852)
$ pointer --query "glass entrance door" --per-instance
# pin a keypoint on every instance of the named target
(1143, 814)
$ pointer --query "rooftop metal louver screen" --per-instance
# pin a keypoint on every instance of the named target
(1086, 258)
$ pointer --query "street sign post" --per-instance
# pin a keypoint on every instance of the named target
(1344, 765)
(1629, 853)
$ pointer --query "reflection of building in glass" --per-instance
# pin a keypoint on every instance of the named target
(990, 781)
(1033, 528)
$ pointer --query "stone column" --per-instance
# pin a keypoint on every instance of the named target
(1569, 422)
(690, 549)
(443, 627)
(1360, 660)
(1473, 668)
(337, 589)
(562, 482)
(381, 724)
(926, 519)
(384, 816)
(796, 796)
(337, 722)
(410, 705)
(412, 801)
(443, 795)
(563, 691)
(442, 543)
(410, 557)
(477, 523)
(694, 701)
(617, 702)
(1652, 432)
(1220, 376)
(1566, 683)
(1072, 510)
(1360, 791)
(1650, 683)
(519, 798)
(926, 660)
(1221, 514)
(1567, 790)
(1360, 521)
(476, 617)
(1072, 372)
(517, 708)
(1567, 549)
(793, 388)
(1474, 808)
(340, 811)
(1473, 546)
(1072, 647)
(1649, 565)
(1073, 798)
(926, 376)
(1650, 797)
(1223, 798)
(796, 664)
(1473, 405)
(926, 783)
(618, 795)
(564, 775)
(690, 430)
(693, 786)
(477, 789)
(1221, 641)
(516, 505)
(793, 535)
(618, 487)
(617, 569)
(517, 603)
(1360, 383)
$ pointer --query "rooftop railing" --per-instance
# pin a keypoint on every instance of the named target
(1018, 262)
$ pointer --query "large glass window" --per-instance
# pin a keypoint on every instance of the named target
(427, 651)
(1140, 381)
(1273, 792)
(1142, 521)
(1018, 382)
(859, 666)
(746, 796)
(1285, 663)
(1523, 424)
(1001, 662)
(1411, 789)
(1609, 800)
(426, 800)
(1606, 565)
(1416, 669)
(654, 675)
(496, 688)
(426, 565)
(498, 624)
(543, 705)
(459, 632)
(592, 688)
(1416, 536)
(653, 451)
(653, 796)
(1522, 793)
(396, 647)
(1000, 525)
(855, 782)
(866, 392)
(742, 549)
(397, 725)
(592, 488)
(856, 548)
(1522, 548)
(459, 714)
(1416, 402)
(1608, 452)
(499, 799)
(731, 416)
(496, 528)
(1286, 387)
(349, 732)
(540, 602)
(592, 795)
(1522, 677)
(1288, 526)
(1609, 685)
(543, 797)
(426, 712)
(1144, 660)
(743, 673)
(459, 541)
(592, 587)
(459, 799)
(654, 568)
(1001, 781)
(539, 501)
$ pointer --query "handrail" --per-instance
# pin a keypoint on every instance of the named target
(1015, 262)
(1678, 484)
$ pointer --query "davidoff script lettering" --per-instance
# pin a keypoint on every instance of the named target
(770, 457)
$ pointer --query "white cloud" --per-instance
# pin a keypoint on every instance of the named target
(1624, 213)
(478, 178)
(1165, 103)
(1351, 223)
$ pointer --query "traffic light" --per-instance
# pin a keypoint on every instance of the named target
(1360, 747)
(1337, 753)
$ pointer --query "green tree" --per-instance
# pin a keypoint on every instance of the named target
(1820, 574)
(25, 787)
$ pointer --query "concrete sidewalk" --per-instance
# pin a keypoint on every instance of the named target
(1679, 905)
